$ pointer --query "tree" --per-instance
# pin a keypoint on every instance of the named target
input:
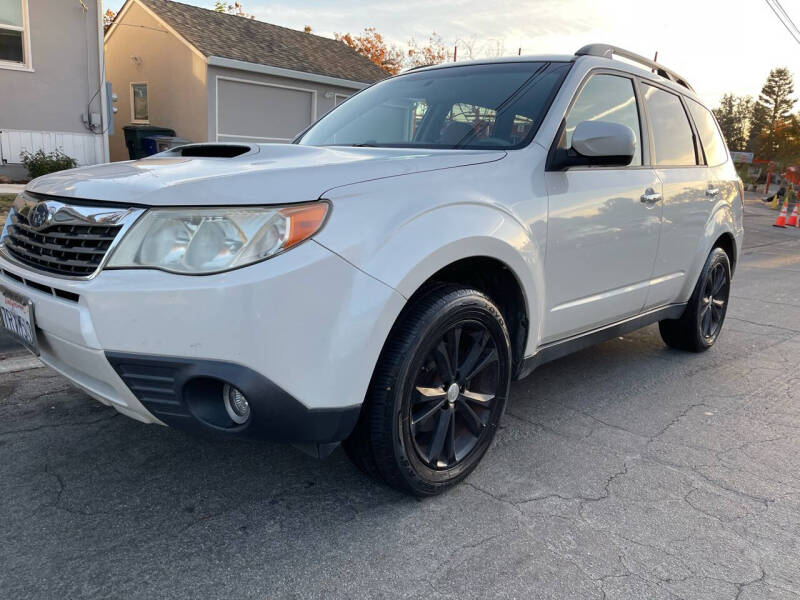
(734, 115)
(788, 135)
(771, 120)
(432, 53)
(467, 48)
(494, 48)
(372, 45)
(108, 19)
(232, 9)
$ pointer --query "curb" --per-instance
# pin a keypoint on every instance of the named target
(20, 363)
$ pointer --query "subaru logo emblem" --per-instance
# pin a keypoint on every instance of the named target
(40, 216)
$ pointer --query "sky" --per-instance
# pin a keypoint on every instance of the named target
(718, 46)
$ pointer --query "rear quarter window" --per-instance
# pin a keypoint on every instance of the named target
(672, 133)
(710, 137)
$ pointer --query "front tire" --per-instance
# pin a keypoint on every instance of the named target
(437, 394)
(699, 326)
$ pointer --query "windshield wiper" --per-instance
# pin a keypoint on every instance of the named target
(364, 145)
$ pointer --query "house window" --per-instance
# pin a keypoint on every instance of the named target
(14, 35)
(140, 110)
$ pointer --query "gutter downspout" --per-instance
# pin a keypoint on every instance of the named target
(101, 55)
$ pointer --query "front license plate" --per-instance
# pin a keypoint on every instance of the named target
(16, 317)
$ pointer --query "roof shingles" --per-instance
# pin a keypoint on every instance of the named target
(240, 38)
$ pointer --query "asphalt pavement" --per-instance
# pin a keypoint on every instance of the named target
(624, 471)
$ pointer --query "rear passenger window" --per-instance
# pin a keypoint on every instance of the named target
(672, 134)
(713, 144)
(605, 98)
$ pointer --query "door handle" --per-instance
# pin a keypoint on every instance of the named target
(650, 197)
(712, 191)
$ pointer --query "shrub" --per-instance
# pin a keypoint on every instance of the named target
(41, 163)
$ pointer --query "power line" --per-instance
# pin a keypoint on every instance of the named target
(785, 14)
(780, 18)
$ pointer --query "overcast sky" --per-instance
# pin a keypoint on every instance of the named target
(717, 45)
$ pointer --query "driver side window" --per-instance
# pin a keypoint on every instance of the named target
(606, 98)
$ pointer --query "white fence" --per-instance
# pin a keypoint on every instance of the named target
(86, 148)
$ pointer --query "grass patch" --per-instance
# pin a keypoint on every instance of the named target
(5, 203)
(6, 200)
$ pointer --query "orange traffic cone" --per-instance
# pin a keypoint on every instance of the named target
(792, 222)
(781, 220)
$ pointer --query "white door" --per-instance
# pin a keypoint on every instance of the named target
(602, 238)
(686, 183)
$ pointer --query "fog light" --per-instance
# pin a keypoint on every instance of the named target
(236, 404)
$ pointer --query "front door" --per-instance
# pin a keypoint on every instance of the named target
(603, 223)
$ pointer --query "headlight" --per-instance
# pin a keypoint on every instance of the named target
(196, 241)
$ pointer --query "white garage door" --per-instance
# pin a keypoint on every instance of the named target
(261, 112)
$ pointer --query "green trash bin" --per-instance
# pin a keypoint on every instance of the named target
(135, 139)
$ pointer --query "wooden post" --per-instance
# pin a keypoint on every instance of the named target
(769, 177)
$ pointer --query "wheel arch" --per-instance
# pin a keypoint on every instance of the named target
(453, 239)
(719, 232)
(727, 242)
(499, 282)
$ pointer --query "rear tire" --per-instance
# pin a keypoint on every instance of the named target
(699, 326)
(437, 393)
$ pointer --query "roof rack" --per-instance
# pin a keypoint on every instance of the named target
(608, 51)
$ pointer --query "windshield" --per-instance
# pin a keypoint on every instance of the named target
(495, 106)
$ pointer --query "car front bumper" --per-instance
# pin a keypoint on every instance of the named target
(300, 333)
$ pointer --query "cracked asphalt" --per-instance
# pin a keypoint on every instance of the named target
(624, 471)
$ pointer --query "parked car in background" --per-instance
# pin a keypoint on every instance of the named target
(381, 281)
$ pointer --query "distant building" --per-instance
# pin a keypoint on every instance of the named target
(52, 92)
(217, 77)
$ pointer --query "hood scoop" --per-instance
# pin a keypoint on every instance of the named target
(211, 150)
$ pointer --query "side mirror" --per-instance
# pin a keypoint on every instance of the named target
(598, 143)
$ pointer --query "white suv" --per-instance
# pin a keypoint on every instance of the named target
(383, 279)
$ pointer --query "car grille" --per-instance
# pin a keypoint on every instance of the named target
(63, 249)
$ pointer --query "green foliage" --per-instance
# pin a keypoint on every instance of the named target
(772, 121)
(6, 200)
(734, 115)
(41, 163)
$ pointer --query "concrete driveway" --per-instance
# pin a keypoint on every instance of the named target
(625, 471)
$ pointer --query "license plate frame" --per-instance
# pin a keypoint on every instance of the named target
(17, 318)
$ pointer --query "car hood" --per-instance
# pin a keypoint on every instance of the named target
(264, 174)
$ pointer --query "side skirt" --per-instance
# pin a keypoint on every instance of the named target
(560, 348)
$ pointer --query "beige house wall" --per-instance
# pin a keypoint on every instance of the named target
(141, 49)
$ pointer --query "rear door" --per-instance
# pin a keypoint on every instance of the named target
(723, 182)
(679, 163)
(602, 237)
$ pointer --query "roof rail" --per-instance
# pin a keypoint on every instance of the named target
(608, 51)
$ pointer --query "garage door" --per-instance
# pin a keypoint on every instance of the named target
(260, 112)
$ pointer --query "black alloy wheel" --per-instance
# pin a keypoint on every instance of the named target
(714, 301)
(700, 325)
(437, 394)
(454, 393)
